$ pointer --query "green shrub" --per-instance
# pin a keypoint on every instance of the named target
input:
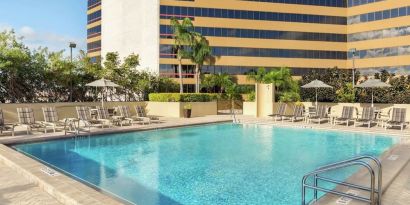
(185, 97)
(251, 97)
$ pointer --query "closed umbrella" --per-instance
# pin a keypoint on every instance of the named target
(104, 83)
(373, 83)
(316, 84)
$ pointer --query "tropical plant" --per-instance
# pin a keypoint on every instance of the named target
(217, 82)
(346, 94)
(199, 53)
(258, 76)
(232, 94)
(282, 80)
(183, 36)
(337, 78)
(289, 96)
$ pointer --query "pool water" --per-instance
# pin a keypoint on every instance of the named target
(211, 164)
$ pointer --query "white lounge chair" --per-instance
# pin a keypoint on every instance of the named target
(321, 115)
(280, 112)
(125, 112)
(398, 119)
(347, 116)
(143, 115)
(103, 116)
(367, 117)
(298, 114)
(26, 118)
(5, 126)
(51, 120)
(84, 116)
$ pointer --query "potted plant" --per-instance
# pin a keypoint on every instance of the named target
(187, 110)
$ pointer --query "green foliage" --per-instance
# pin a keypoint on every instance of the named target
(184, 36)
(399, 93)
(346, 94)
(341, 79)
(182, 97)
(43, 76)
(337, 78)
(282, 79)
(258, 76)
(232, 92)
(217, 82)
(289, 96)
(199, 52)
(251, 97)
(245, 89)
(188, 107)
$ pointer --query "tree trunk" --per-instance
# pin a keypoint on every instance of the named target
(181, 85)
(197, 78)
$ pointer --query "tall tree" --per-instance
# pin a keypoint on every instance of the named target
(199, 53)
(183, 36)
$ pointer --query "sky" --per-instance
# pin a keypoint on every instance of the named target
(46, 23)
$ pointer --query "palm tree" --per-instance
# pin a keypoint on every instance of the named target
(222, 81)
(200, 52)
(257, 76)
(183, 36)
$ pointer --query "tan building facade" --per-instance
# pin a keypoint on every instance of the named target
(300, 34)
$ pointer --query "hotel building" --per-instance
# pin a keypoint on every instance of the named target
(246, 34)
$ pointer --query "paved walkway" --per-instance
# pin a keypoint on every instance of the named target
(14, 189)
(399, 191)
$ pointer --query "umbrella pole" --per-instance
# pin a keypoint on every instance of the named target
(316, 98)
(372, 98)
(102, 97)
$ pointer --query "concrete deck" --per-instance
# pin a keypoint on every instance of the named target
(17, 190)
(25, 183)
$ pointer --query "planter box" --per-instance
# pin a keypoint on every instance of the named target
(249, 108)
(176, 109)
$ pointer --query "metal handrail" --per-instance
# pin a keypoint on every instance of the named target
(234, 119)
(342, 164)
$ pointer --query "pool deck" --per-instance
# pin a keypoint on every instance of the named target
(26, 182)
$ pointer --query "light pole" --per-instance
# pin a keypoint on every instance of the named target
(71, 45)
(353, 52)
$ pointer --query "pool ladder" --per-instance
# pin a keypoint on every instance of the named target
(364, 161)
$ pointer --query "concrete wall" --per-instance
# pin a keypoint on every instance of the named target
(67, 110)
(176, 109)
(131, 26)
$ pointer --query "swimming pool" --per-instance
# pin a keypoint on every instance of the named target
(209, 164)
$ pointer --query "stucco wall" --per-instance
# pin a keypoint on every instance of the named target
(249, 108)
(131, 26)
(265, 98)
(176, 109)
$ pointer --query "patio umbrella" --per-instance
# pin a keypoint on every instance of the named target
(104, 84)
(373, 83)
(316, 84)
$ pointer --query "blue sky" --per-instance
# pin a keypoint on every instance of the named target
(51, 23)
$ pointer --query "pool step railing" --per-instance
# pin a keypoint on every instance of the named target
(235, 120)
(364, 161)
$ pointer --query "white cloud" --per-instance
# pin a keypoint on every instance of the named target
(55, 42)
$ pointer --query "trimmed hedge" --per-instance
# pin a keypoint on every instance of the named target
(184, 97)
